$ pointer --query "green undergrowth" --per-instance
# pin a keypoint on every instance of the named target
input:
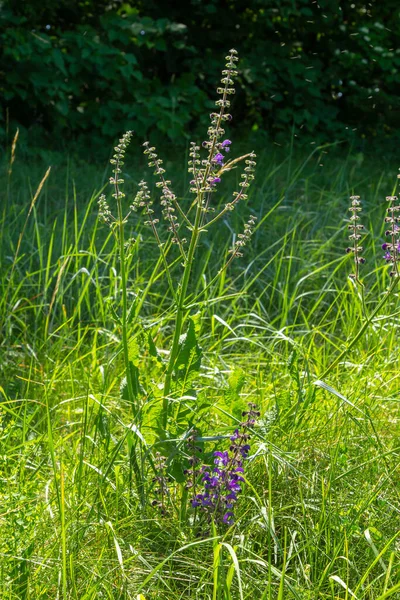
(319, 517)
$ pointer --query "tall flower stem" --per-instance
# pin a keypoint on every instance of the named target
(118, 195)
(181, 301)
(124, 327)
(215, 133)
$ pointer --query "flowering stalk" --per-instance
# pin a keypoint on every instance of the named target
(355, 236)
(116, 182)
(168, 198)
(143, 201)
(160, 479)
(205, 175)
(222, 483)
(392, 248)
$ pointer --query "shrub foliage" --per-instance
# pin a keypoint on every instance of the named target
(97, 68)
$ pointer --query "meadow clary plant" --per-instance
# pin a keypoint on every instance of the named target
(208, 166)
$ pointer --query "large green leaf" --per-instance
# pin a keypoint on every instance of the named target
(135, 347)
(188, 361)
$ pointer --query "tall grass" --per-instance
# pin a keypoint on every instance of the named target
(319, 514)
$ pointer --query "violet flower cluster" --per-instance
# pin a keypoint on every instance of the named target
(222, 483)
(160, 480)
(206, 172)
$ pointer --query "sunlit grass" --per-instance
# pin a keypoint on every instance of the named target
(319, 516)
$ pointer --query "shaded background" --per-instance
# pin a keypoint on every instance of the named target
(85, 71)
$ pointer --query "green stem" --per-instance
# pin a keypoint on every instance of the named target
(181, 295)
(152, 278)
(124, 289)
(181, 298)
(161, 251)
(214, 279)
(362, 329)
(225, 209)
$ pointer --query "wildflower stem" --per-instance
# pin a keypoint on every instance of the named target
(181, 300)
(123, 283)
(228, 207)
(183, 215)
(195, 232)
(161, 251)
(216, 277)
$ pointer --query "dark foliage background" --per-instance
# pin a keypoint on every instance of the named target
(90, 69)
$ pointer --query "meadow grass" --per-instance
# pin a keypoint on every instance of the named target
(319, 517)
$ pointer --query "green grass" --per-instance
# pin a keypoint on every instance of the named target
(319, 517)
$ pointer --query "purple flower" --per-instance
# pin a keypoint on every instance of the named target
(244, 450)
(234, 486)
(225, 145)
(228, 518)
(222, 458)
(213, 481)
(232, 496)
(384, 246)
(215, 180)
(218, 158)
(387, 256)
(235, 435)
(222, 483)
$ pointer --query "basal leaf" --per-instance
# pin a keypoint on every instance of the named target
(187, 365)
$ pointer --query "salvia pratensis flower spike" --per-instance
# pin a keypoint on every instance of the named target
(104, 211)
(161, 490)
(223, 483)
(247, 177)
(117, 161)
(142, 201)
(206, 172)
(392, 246)
(116, 181)
(243, 238)
(355, 228)
(168, 198)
